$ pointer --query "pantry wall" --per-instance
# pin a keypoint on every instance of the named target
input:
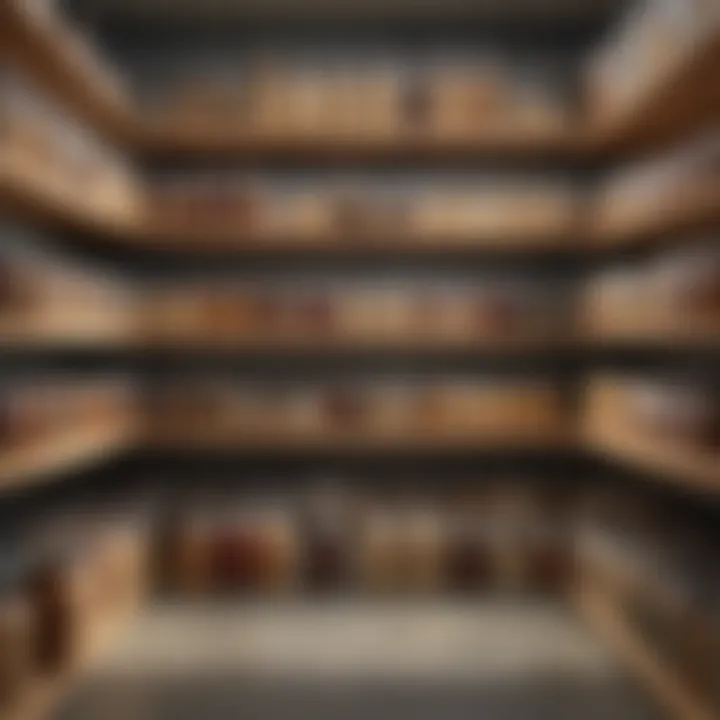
(360, 305)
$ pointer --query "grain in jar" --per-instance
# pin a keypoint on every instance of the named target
(190, 554)
(328, 526)
(254, 549)
(465, 101)
(419, 552)
(378, 552)
(468, 558)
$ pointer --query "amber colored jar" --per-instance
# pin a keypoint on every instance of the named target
(416, 104)
(351, 217)
(192, 562)
(314, 315)
(16, 645)
(345, 408)
(378, 554)
(421, 552)
(328, 529)
(325, 559)
(499, 315)
(549, 563)
(237, 556)
(253, 552)
(63, 595)
(165, 548)
(279, 568)
(467, 557)
(222, 207)
(123, 566)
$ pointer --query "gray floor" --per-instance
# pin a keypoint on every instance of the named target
(351, 661)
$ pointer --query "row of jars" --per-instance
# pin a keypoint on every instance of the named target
(276, 94)
(512, 539)
(393, 312)
(218, 411)
(357, 208)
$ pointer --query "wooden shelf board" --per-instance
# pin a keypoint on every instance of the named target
(158, 139)
(44, 196)
(687, 467)
(685, 212)
(46, 50)
(684, 102)
(349, 344)
(516, 243)
(626, 579)
(64, 450)
(17, 333)
(346, 442)
(640, 660)
(653, 339)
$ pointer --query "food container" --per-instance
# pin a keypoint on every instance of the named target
(255, 550)
(468, 554)
(378, 552)
(420, 551)
(345, 409)
(328, 530)
(297, 217)
(467, 101)
(65, 595)
(190, 555)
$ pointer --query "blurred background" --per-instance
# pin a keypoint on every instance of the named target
(359, 360)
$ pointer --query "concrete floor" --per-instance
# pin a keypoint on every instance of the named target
(353, 660)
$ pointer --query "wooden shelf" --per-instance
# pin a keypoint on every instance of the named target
(333, 442)
(39, 41)
(72, 331)
(45, 196)
(64, 450)
(514, 143)
(687, 210)
(540, 240)
(608, 431)
(648, 326)
(364, 346)
(682, 101)
(653, 338)
(624, 577)
(640, 659)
